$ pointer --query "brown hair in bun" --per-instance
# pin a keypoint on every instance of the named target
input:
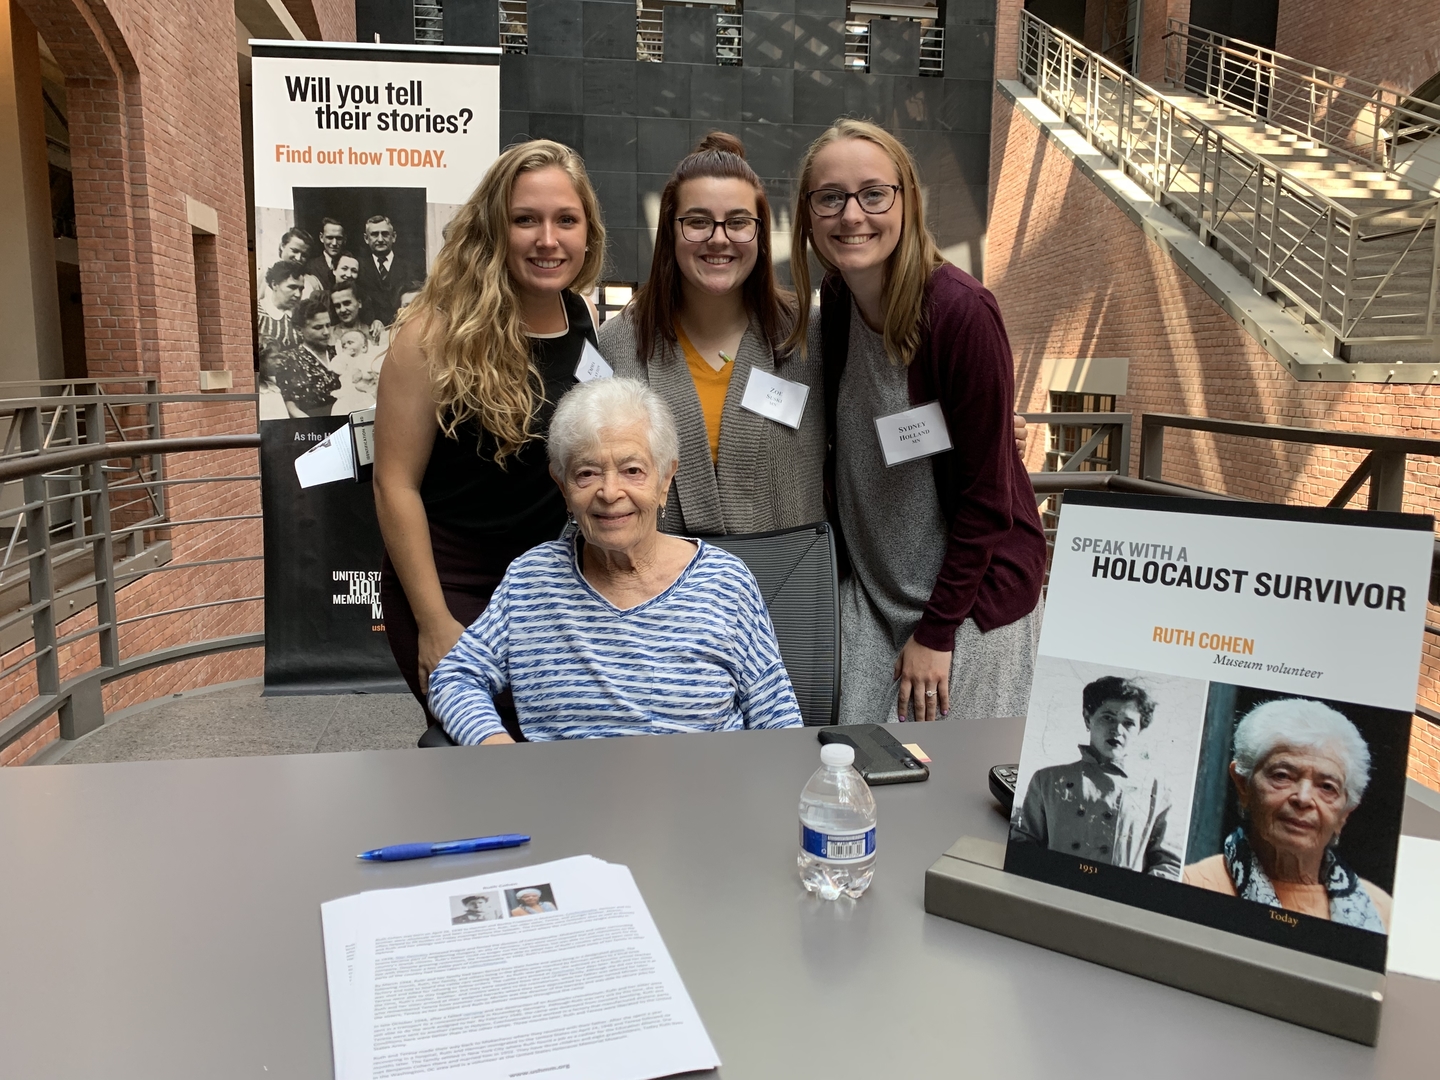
(719, 155)
(723, 142)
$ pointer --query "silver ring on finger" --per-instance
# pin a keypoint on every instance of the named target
(930, 693)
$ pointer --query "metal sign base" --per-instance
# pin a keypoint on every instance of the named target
(969, 885)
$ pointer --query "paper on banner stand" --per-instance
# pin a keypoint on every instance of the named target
(327, 461)
(362, 427)
(417, 989)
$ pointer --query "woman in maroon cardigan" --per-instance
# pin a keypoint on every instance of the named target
(933, 502)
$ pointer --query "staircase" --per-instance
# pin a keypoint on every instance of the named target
(1283, 172)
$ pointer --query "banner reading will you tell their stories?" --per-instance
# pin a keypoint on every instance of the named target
(363, 153)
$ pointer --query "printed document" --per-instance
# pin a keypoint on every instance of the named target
(555, 968)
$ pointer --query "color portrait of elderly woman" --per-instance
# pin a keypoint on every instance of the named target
(1300, 768)
(621, 629)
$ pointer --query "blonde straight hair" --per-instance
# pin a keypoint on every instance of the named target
(469, 318)
(909, 267)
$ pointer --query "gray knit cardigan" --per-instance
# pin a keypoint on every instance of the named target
(768, 476)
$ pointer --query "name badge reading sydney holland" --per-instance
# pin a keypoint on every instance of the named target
(592, 365)
(915, 433)
(775, 398)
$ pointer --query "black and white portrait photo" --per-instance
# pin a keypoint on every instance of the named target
(331, 275)
(1108, 765)
(476, 907)
(1298, 804)
(530, 900)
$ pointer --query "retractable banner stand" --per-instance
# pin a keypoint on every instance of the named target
(363, 153)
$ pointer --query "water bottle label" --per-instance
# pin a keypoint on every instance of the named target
(837, 847)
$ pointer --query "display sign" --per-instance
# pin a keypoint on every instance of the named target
(363, 154)
(1220, 718)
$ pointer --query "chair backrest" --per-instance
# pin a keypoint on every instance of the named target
(796, 572)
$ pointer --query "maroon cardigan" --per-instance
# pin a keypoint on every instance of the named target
(995, 551)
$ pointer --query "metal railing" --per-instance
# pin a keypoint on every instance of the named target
(857, 46)
(429, 22)
(650, 32)
(932, 50)
(85, 507)
(1361, 276)
(729, 37)
(514, 27)
(1362, 120)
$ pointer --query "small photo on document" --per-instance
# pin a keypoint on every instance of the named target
(530, 900)
(1107, 768)
(476, 907)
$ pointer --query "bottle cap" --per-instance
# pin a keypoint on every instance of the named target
(837, 754)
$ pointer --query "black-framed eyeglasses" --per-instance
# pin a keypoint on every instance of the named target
(740, 229)
(875, 199)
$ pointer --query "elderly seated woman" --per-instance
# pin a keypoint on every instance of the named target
(622, 630)
(1300, 768)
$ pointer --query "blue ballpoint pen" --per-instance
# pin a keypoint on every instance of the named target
(396, 852)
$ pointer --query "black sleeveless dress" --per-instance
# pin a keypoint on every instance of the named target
(482, 516)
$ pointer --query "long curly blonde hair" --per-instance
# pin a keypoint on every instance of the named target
(468, 316)
(908, 270)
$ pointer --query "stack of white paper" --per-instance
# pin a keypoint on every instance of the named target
(555, 968)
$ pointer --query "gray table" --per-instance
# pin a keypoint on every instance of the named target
(161, 920)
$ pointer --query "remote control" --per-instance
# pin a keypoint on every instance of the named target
(1002, 784)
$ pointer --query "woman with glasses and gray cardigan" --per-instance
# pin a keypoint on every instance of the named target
(703, 332)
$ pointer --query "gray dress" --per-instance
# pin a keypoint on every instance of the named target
(896, 535)
(768, 476)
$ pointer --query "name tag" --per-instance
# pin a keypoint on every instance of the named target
(775, 398)
(592, 365)
(915, 433)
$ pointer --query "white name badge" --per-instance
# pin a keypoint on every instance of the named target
(592, 365)
(915, 433)
(775, 398)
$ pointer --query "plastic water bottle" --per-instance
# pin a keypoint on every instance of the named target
(837, 827)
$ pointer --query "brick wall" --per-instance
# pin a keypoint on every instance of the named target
(1392, 42)
(324, 20)
(1076, 278)
(153, 95)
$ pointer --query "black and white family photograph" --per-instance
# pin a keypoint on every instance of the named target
(1107, 767)
(476, 907)
(331, 275)
(1298, 804)
(530, 900)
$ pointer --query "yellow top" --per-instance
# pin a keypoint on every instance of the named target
(710, 385)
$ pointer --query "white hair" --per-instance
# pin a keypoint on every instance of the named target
(600, 404)
(1303, 724)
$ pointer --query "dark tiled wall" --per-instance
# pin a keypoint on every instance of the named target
(632, 121)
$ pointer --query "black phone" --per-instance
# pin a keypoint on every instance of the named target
(879, 756)
(1002, 784)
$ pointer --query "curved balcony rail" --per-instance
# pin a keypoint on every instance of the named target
(1361, 275)
(87, 512)
(1362, 120)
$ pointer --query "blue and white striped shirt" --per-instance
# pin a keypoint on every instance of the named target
(701, 656)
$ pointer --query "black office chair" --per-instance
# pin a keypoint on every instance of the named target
(797, 575)
(795, 569)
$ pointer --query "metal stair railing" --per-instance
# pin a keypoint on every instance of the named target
(1360, 276)
(1359, 119)
(84, 513)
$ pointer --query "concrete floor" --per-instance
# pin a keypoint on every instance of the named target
(233, 720)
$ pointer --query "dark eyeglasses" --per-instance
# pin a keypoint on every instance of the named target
(827, 202)
(739, 229)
